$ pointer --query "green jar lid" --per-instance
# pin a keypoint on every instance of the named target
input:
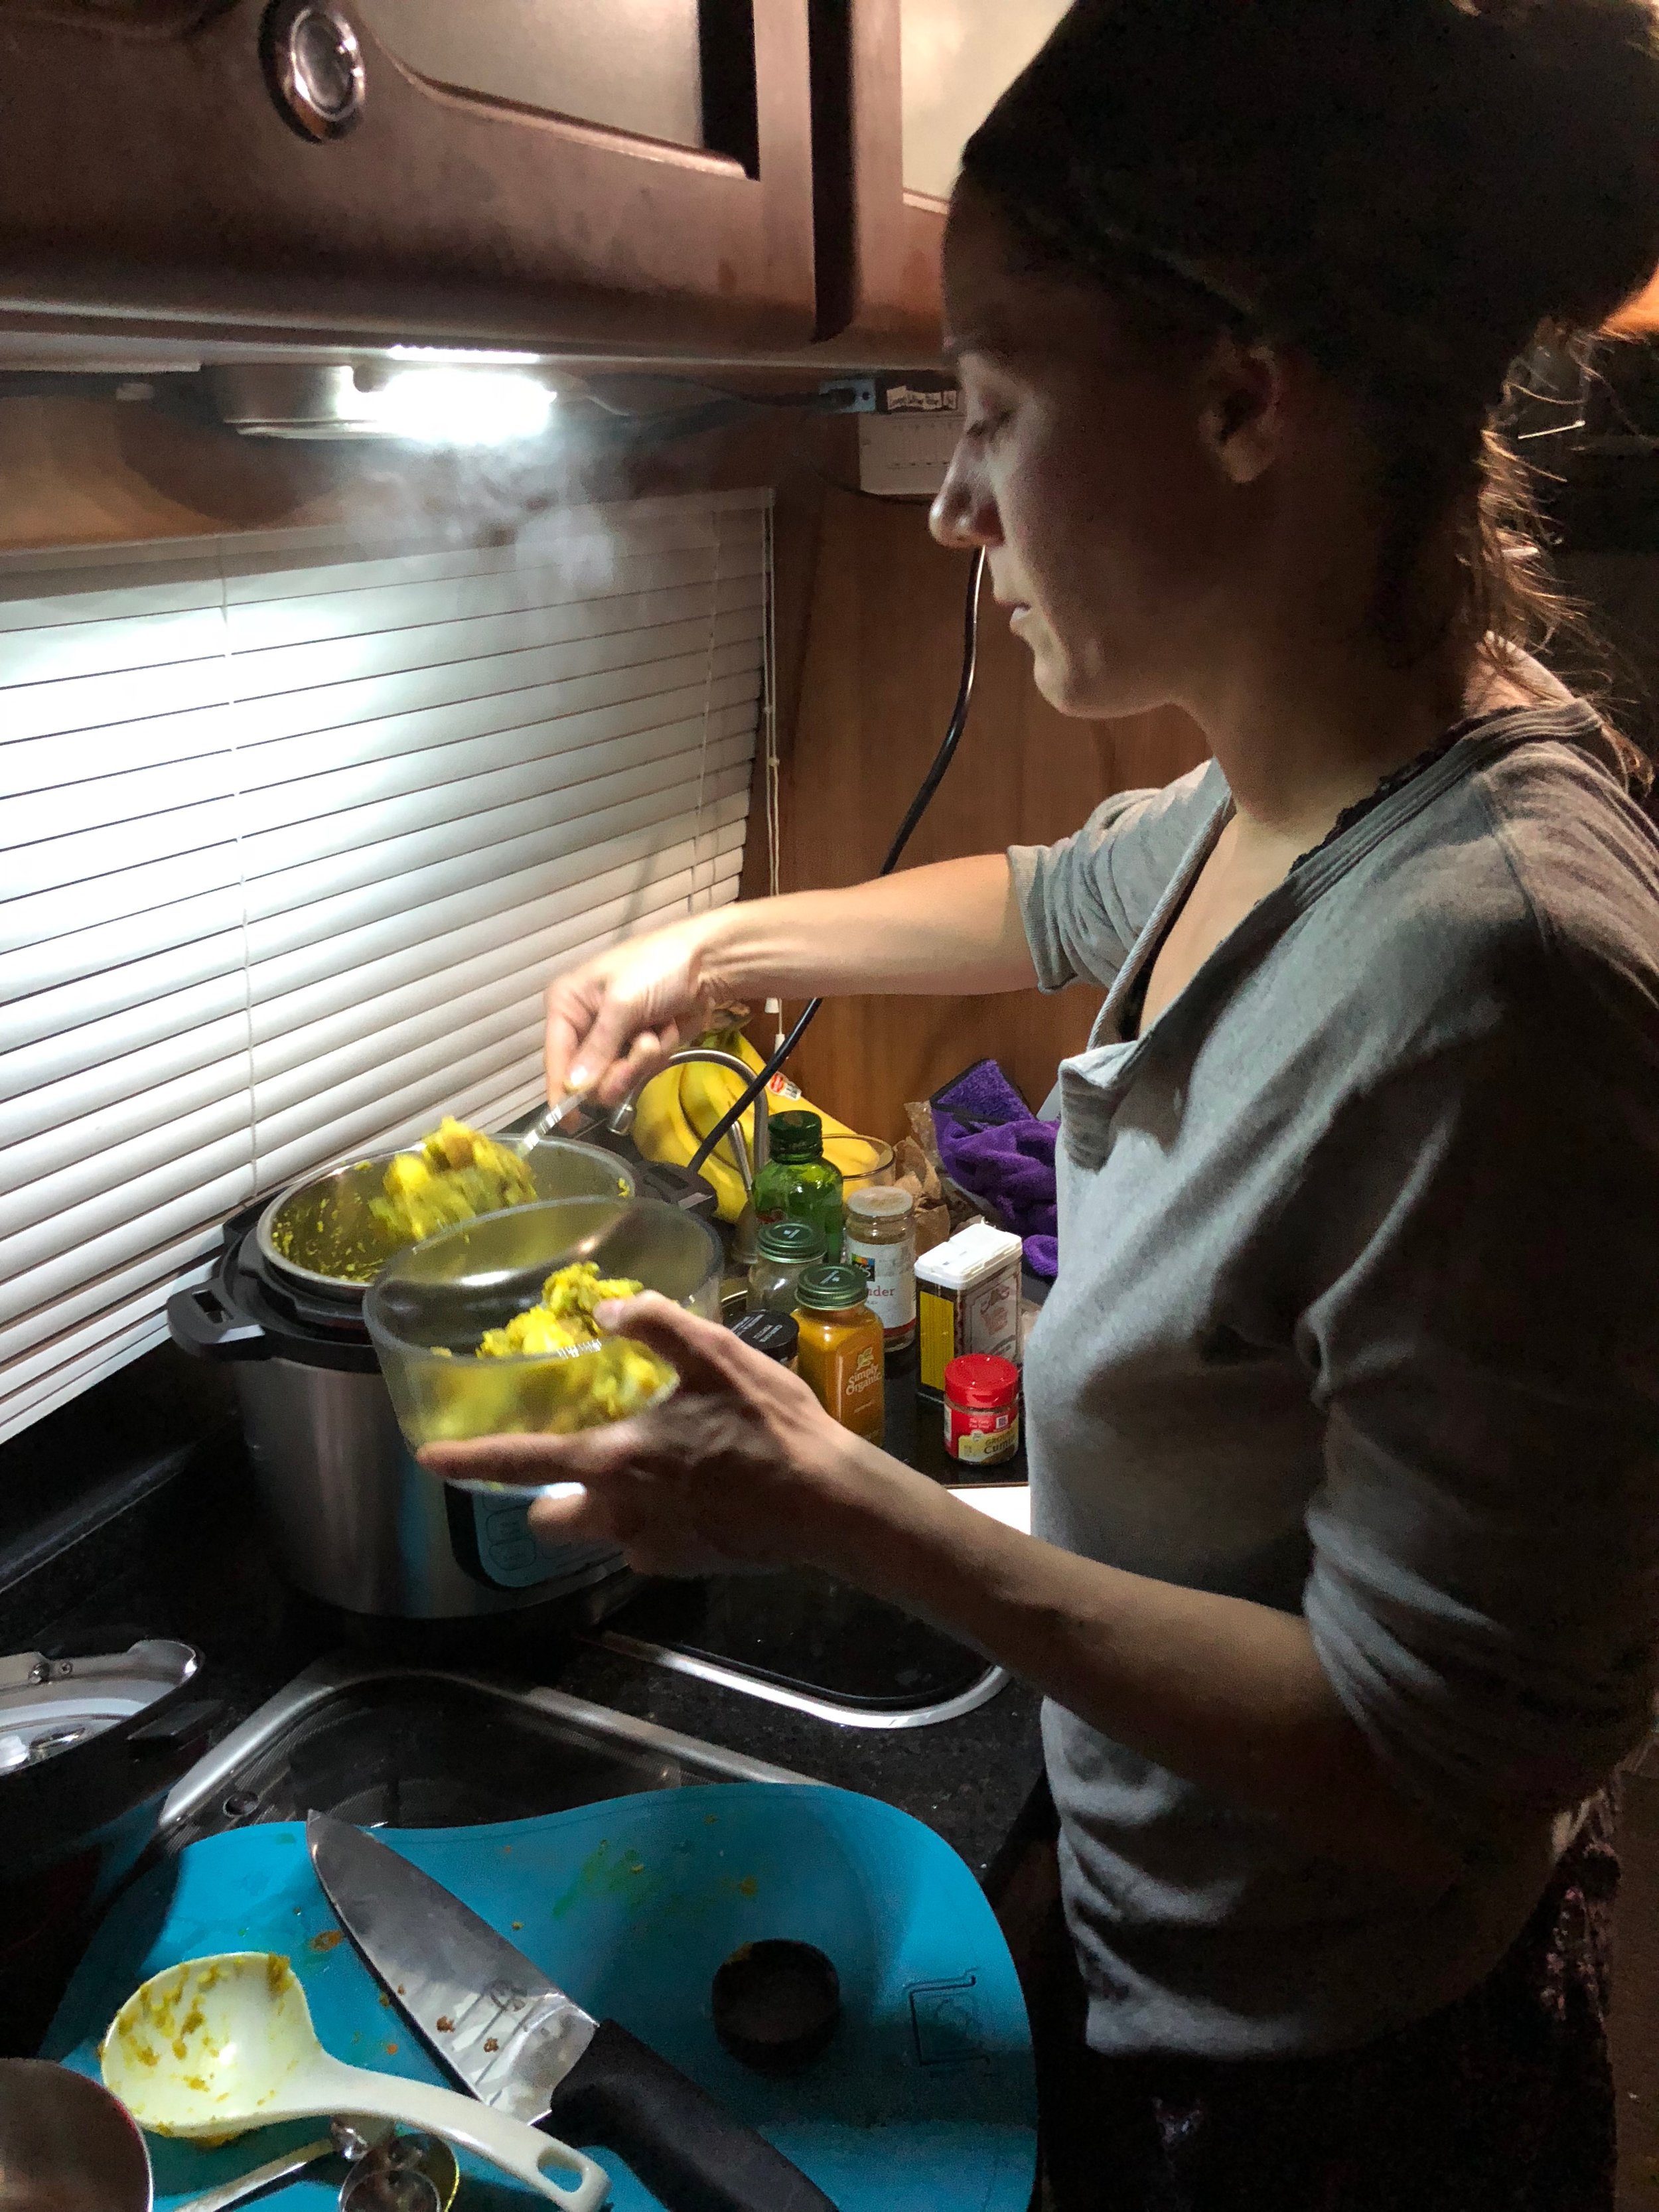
(796, 1136)
(831, 1289)
(791, 1240)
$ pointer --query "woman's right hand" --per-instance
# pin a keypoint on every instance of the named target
(617, 1018)
(953, 926)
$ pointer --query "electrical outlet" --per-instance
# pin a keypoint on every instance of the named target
(849, 395)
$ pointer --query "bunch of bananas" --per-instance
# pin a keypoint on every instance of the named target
(678, 1107)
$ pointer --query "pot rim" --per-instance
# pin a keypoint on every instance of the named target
(340, 1290)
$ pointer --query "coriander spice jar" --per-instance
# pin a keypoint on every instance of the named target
(881, 1239)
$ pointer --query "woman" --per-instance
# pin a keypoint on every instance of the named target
(1344, 1413)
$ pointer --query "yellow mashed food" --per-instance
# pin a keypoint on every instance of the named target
(614, 1375)
(564, 1318)
(456, 1175)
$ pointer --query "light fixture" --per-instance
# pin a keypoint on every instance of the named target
(460, 406)
(441, 402)
(465, 356)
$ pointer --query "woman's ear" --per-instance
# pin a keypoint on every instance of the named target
(1245, 391)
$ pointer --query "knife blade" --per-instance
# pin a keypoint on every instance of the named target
(521, 2043)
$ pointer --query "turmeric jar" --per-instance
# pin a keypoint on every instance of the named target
(842, 1348)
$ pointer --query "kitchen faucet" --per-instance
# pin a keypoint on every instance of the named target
(621, 1119)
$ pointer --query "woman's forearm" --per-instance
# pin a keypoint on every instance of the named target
(953, 926)
(1228, 1695)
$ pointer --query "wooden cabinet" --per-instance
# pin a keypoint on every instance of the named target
(899, 87)
(612, 174)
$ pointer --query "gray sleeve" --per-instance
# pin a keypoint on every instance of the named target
(1086, 899)
(1483, 1594)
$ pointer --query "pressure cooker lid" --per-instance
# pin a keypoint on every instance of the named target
(49, 1707)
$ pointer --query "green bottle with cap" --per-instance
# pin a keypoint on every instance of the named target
(798, 1183)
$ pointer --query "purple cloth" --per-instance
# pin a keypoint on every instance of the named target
(1010, 1167)
(980, 1095)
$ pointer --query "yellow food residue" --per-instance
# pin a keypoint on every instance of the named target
(456, 1174)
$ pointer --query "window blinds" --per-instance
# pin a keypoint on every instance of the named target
(292, 833)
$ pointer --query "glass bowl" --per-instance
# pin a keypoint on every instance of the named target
(428, 1307)
(861, 1160)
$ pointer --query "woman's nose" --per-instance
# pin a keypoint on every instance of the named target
(964, 515)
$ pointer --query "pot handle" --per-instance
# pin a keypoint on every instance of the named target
(200, 1322)
(676, 1185)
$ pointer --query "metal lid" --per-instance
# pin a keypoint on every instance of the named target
(49, 1707)
(796, 1136)
(832, 1289)
(776, 1334)
(791, 1240)
(879, 1201)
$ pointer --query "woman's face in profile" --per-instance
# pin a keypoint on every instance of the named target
(1084, 468)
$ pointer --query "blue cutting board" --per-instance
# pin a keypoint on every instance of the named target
(926, 2100)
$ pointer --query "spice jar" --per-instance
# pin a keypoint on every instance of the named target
(782, 1249)
(981, 1408)
(840, 1349)
(798, 1183)
(881, 1238)
(775, 1334)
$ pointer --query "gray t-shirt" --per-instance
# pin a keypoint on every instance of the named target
(1357, 1317)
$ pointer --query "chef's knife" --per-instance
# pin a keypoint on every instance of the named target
(518, 2043)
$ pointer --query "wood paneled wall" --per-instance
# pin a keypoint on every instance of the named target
(868, 673)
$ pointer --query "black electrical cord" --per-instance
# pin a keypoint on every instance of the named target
(919, 805)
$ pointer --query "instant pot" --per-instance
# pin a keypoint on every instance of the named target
(355, 1520)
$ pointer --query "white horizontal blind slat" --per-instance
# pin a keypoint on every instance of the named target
(586, 737)
(95, 955)
(293, 832)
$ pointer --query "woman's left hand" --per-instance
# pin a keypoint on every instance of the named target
(741, 1467)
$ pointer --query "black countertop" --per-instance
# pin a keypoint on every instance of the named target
(171, 1546)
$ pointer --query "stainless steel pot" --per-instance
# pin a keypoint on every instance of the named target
(66, 2145)
(359, 1523)
(321, 1233)
(355, 1521)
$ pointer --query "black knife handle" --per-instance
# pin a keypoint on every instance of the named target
(621, 2096)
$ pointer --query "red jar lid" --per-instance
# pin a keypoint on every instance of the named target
(981, 1380)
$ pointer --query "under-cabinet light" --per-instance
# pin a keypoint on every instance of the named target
(460, 406)
(469, 356)
(431, 405)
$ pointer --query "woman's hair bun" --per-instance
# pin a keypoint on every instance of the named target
(1571, 105)
(1428, 180)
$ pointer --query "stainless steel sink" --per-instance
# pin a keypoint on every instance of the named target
(393, 1746)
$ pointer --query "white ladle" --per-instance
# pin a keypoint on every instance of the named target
(216, 2045)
